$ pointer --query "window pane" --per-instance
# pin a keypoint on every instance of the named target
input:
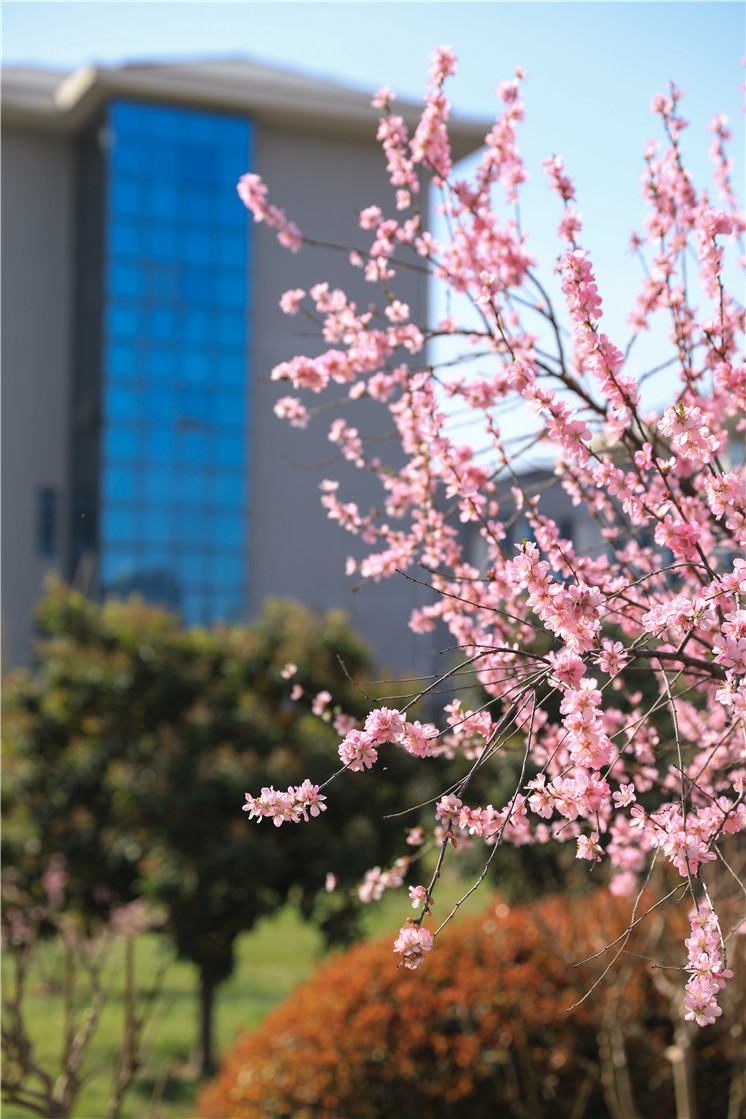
(120, 404)
(118, 483)
(158, 485)
(160, 241)
(190, 487)
(156, 525)
(126, 196)
(46, 522)
(160, 364)
(120, 443)
(118, 524)
(121, 360)
(230, 531)
(123, 320)
(173, 442)
(228, 411)
(228, 489)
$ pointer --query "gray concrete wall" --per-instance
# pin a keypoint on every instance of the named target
(295, 550)
(37, 281)
(321, 181)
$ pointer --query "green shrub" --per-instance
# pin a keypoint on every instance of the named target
(131, 746)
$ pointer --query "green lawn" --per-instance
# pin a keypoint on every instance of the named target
(272, 960)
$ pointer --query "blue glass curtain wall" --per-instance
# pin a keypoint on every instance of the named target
(173, 492)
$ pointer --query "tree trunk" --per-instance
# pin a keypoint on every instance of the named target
(680, 1056)
(206, 1059)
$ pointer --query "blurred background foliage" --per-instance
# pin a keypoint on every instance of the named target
(128, 749)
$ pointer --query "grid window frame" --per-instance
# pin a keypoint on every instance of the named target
(174, 443)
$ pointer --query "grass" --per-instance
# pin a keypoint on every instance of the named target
(271, 961)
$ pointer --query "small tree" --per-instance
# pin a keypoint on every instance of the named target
(127, 749)
(547, 625)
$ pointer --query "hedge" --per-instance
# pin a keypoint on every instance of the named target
(484, 1027)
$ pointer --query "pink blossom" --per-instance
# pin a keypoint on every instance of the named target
(291, 408)
(443, 61)
(589, 847)
(320, 703)
(448, 809)
(612, 657)
(418, 739)
(343, 723)
(291, 300)
(397, 311)
(624, 796)
(418, 894)
(54, 880)
(357, 751)
(623, 884)
(377, 881)
(705, 966)
(413, 944)
(567, 668)
(688, 433)
(730, 646)
(370, 217)
(253, 193)
(384, 725)
(293, 805)
(382, 98)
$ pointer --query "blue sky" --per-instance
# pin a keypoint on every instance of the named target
(593, 69)
(593, 66)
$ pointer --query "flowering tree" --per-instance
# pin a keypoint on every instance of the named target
(554, 635)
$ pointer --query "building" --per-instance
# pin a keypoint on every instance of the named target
(140, 323)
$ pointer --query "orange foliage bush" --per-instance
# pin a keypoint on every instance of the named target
(481, 1029)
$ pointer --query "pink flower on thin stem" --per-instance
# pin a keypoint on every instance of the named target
(291, 300)
(413, 944)
(589, 847)
(418, 894)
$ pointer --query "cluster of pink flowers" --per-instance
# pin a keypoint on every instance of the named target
(706, 968)
(589, 848)
(418, 894)
(680, 615)
(711, 223)
(292, 409)
(430, 142)
(663, 589)
(359, 751)
(291, 300)
(293, 805)
(253, 193)
(689, 434)
(571, 612)
(413, 944)
(376, 881)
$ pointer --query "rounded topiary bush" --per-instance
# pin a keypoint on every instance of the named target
(482, 1028)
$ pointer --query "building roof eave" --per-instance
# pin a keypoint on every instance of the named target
(65, 103)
